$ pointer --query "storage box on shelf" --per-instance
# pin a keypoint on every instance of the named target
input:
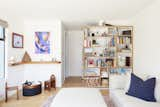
(107, 49)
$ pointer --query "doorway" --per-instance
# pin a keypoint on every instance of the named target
(74, 46)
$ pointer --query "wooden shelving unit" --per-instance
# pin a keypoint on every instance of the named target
(107, 50)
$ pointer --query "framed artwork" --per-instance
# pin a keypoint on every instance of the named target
(17, 40)
(42, 42)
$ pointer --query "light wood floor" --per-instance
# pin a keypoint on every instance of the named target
(33, 101)
(38, 100)
(73, 82)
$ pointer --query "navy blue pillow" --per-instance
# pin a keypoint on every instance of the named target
(142, 89)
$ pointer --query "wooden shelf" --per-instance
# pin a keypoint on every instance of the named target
(42, 62)
(15, 64)
(124, 35)
(103, 67)
(94, 26)
(125, 67)
(97, 37)
(107, 57)
(35, 62)
(100, 47)
(98, 67)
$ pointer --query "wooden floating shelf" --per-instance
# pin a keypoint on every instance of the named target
(15, 64)
(35, 62)
(42, 62)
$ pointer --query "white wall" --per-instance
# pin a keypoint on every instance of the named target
(147, 40)
(15, 25)
(18, 74)
(43, 72)
(74, 53)
(54, 27)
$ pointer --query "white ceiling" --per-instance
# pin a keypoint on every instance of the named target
(73, 13)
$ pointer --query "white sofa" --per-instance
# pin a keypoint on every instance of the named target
(119, 84)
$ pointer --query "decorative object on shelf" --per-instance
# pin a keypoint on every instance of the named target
(11, 60)
(92, 72)
(93, 34)
(94, 42)
(54, 59)
(91, 62)
(106, 24)
(126, 32)
(17, 40)
(26, 57)
(112, 31)
(101, 23)
(87, 43)
(128, 61)
(42, 43)
(104, 74)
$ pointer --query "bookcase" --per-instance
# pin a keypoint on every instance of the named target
(107, 50)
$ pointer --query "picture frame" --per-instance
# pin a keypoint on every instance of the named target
(17, 40)
(42, 42)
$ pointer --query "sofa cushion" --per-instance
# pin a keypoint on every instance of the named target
(142, 76)
(142, 89)
(120, 99)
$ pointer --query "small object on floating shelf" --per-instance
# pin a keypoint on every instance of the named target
(108, 24)
(101, 23)
(26, 58)
(11, 60)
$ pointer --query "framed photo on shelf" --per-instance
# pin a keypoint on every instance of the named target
(17, 40)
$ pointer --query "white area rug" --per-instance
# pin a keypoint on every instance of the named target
(48, 102)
